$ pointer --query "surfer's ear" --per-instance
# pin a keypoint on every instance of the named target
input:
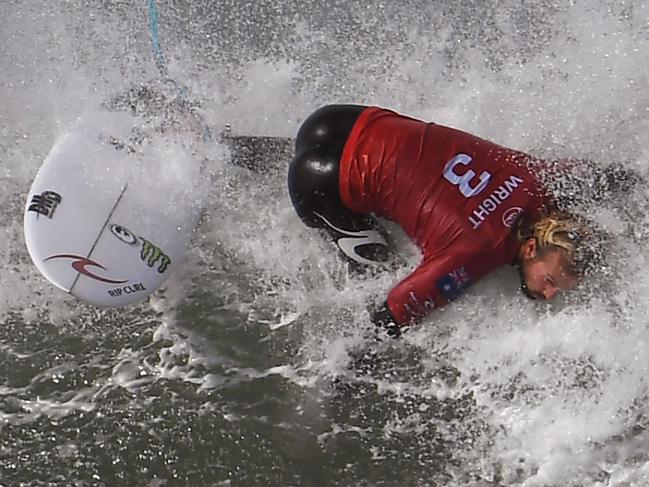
(529, 249)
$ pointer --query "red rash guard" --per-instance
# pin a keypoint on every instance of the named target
(455, 195)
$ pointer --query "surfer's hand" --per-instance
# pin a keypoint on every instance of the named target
(384, 320)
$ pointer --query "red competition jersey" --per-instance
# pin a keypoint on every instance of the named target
(455, 195)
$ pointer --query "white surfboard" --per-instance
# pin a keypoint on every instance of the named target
(105, 223)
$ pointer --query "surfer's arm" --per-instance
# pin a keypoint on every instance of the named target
(431, 285)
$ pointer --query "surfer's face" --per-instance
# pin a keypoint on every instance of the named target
(544, 275)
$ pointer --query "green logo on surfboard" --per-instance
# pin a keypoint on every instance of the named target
(152, 255)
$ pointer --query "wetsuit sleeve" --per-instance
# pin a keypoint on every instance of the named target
(431, 285)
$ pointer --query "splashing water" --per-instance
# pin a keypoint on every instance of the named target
(254, 365)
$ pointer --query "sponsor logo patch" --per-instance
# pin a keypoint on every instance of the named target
(454, 283)
(511, 215)
(45, 203)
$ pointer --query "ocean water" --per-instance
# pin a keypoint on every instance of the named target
(256, 363)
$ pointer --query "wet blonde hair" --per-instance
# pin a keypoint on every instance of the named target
(574, 236)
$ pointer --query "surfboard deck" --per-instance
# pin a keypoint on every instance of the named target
(98, 226)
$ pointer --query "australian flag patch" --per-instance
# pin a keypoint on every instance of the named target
(454, 283)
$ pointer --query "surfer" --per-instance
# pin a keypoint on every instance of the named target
(470, 205)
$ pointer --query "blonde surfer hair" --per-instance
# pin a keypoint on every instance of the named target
(580, 242)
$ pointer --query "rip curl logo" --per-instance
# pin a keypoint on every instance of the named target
(152, 255)
(128, 289)
(352, 240)
(511, 215)
(80, 265)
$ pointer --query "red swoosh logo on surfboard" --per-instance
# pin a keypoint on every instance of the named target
(80, 265)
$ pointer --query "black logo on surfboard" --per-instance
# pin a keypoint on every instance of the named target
(128, 289)
(45, 203)
(124, 234)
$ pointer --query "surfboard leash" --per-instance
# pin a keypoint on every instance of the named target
(160, 60)
(154, 33)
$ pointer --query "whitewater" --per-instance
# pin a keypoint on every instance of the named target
(256, 363)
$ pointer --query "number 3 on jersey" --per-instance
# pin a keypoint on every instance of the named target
(463, 181)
